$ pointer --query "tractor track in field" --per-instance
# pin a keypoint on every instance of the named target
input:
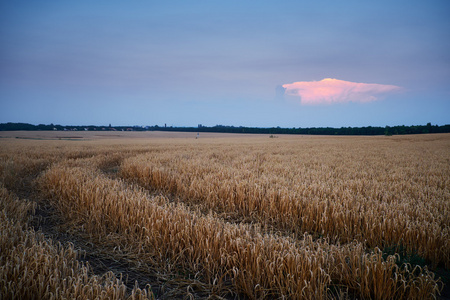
(113, 172)
(105, 258)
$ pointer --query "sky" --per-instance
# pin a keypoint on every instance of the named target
(240, 63)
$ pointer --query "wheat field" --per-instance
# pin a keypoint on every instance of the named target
(224, 217)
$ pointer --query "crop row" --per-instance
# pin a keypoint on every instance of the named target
(257, 265)
(33, 267)
(382, 198)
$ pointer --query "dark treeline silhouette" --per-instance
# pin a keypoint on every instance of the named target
(369, 130)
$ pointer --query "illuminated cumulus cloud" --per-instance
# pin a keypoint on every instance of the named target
(329, 91)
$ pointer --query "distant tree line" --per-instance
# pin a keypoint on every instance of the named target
(30, 127)
(369, 130)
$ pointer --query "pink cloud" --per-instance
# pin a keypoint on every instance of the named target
(329, 91)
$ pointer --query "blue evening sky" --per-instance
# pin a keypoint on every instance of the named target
(184, 63)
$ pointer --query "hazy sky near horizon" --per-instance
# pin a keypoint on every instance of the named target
(254, 63)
